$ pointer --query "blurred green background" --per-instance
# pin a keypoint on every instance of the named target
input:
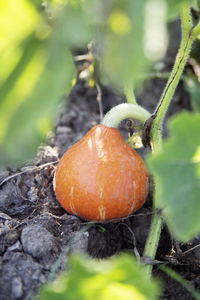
(38, 40)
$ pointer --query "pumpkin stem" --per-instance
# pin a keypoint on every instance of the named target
(124, 111)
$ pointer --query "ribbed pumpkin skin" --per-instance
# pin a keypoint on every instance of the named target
(101, 178)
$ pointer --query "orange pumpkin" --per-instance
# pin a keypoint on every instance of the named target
(101, 178)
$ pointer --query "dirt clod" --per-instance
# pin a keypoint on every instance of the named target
(37, 241)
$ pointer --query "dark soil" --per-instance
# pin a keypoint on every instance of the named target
(36, 233)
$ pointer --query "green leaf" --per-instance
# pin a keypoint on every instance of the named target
(18, 20)
(193, 87)
(32, 91)
(26, 127)
(76, 28)
(119, 278)
(177, 171)
(28, 48)
(122, 41)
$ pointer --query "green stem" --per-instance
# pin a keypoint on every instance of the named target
(196, 30)
(188, 37)
(125, 111)
(152, 240)
(130, 96)
(156, 223)
(181, 59)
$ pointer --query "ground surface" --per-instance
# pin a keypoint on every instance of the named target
(36, 233)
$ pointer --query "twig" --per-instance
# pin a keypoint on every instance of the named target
(137, 255)
(4, 216)
(29, 169)
(99, 100)
(82, 57)
(146, 260)
(191, 249)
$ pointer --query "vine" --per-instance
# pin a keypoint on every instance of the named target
(152, 132)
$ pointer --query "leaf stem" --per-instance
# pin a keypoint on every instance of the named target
(130, 96)
(188, 36)
(196, 30)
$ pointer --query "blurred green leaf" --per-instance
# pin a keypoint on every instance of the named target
(29, 47)
(32, 90)
(193, 87)
(17, 20)
(122, 41)
(174, 7)
(177, 170)
(24, 129)
(119, 278)
(41, 69)
(76, 27)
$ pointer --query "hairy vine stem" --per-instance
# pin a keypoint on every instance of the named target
(130, 96)
(189, 33)
(125, 111)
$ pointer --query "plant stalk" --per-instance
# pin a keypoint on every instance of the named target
(181, 59)
(188, 36)
(125, 111)
(130, 96)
